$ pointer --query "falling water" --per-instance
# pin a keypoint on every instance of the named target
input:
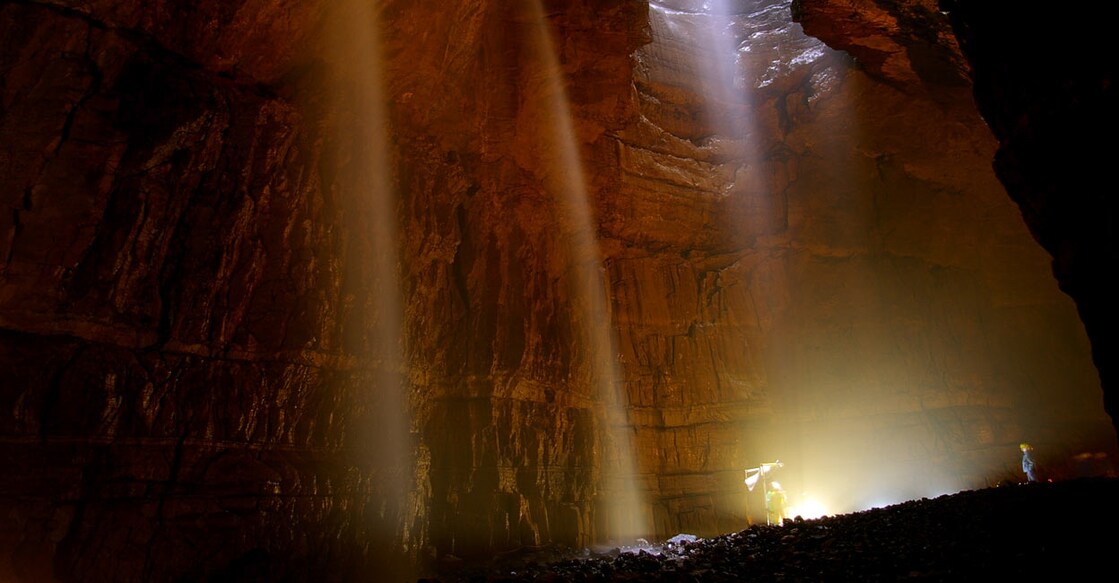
(626, 511)
(364, 190)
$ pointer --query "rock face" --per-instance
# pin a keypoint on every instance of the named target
(1047, 108)
(1042, 100)
(307, 290)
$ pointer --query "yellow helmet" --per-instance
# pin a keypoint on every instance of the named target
(1024, 446)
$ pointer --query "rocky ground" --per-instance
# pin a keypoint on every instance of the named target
(1063, 531)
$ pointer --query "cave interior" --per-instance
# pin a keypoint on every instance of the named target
(320, 291)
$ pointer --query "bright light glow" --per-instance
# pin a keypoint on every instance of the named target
(807, 508)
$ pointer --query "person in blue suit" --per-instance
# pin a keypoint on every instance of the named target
(1029, 465)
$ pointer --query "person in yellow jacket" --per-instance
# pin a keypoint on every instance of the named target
(776, 502)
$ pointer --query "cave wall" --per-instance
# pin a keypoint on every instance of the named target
(218, 365)
(901, 329)
(1049, 104)
(499, 275)
(180, 376)
(1045, 88)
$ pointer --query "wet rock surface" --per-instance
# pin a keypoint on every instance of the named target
(994, 534)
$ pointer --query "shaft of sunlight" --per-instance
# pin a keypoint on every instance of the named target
(365, 191)
(626, 514)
